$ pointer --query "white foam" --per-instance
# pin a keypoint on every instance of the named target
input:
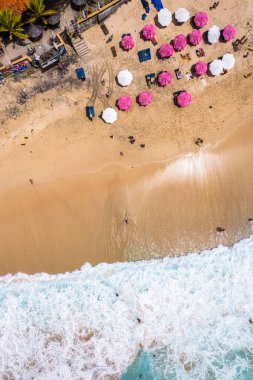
(74, 326)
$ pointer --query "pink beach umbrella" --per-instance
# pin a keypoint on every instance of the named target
(201, 68)
(166, 51)
(179, 42)
(200, 19)
(145, 98)
(164, 78)
(184, 99)
(127, 42)
(124, 103)
(229, 33)
(148, 32)
(195, 37)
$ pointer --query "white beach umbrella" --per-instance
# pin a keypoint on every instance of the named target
(109, 115)
(228, 61)
(213, 34)
(125, 77)
(182, 15)
(216, 67)
(164, 17)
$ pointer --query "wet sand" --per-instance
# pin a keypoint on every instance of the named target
(172, 208)
(172, 193)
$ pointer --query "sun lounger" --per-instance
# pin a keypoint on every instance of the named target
(114, 52)
(144, 55)
(178, 74)
(145, 5)
(157, 4)
(80, 73)
(90, 113)
(104, 29)
(150, 79)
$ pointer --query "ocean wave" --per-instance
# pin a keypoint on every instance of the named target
(190, 314)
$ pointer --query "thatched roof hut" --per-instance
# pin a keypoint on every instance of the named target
(34, 32)
(54, 20)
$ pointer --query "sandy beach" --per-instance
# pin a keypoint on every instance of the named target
(66, 188)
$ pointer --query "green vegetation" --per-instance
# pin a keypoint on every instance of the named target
(37, 11)
(12, 24)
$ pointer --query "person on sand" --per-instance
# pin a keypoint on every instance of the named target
(251, 321)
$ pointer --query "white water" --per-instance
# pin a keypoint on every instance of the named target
(73, 326)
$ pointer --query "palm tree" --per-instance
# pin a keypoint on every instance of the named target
(37, 11)
(11, 23)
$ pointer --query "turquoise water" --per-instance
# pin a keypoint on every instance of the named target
(150, 366)
(183, 318)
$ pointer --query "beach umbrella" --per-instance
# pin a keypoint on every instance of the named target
(145, 98)
(213, 34)
(228, 61)
(148, 32)
(195, 37)
(201, 68)
(124, 77)
(127, 42)
(54, 20)
(35, 32)
(164, 17)
(200, 19)
(124, 103)
(182, 15)
(109, 115)
(164, 78)
(179, 42)
(229, 33)
(216, 67)
(166, 51)
(184, 99)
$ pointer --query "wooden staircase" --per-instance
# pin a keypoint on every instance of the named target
(81, 48)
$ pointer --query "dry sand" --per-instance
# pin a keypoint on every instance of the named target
(173, 193)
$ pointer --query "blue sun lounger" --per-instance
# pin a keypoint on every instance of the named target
(80, 73)
(90, 112)
(145, 5)
(157, 4)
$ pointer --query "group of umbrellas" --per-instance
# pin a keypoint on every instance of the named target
(200, 20)
(167, 50)
(124, 78)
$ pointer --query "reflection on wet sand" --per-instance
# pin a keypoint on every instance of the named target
(152, 210)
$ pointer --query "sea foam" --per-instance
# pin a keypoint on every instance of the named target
(191, 311)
